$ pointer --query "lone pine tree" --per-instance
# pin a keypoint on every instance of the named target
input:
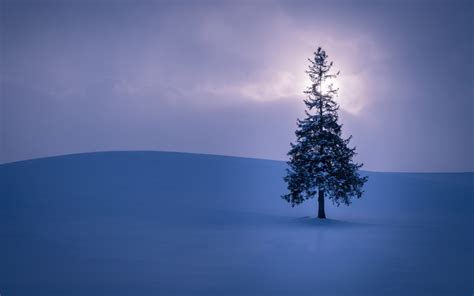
(320, 160)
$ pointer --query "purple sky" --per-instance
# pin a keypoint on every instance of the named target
(226, 77)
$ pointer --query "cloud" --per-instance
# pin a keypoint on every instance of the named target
(170, 80)
(217, 77)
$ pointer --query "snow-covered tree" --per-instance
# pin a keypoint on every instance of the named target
(320, 160)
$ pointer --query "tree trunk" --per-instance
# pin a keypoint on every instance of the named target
(321, 212)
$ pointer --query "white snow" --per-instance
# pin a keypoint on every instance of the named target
(153, 223)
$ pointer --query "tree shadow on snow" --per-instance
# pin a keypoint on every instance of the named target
(332, 223)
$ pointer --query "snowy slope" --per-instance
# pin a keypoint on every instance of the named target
(155, 223)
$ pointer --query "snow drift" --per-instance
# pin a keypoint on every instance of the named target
(156, 223)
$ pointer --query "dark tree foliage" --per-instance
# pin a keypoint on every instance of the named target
(321, 160)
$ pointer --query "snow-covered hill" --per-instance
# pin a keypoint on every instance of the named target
(156, 223)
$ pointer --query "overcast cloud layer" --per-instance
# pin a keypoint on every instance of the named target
(227, 78)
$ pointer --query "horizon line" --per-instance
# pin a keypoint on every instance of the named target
(218, 155)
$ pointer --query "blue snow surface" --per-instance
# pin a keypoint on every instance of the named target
(158, 223)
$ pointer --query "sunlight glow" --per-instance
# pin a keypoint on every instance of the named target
(351, 91)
